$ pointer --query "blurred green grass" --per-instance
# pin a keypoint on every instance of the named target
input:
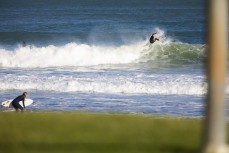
(49, 132)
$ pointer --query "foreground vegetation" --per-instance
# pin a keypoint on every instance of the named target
(40, 132)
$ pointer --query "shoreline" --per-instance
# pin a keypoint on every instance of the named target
(11, 110)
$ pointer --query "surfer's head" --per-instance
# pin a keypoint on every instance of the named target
(25, 94)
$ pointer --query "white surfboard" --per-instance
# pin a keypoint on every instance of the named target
(8, 103)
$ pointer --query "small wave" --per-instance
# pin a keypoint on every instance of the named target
(166, 85)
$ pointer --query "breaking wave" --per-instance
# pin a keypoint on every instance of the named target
(75, 54)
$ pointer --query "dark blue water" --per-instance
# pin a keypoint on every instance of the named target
(111, 22)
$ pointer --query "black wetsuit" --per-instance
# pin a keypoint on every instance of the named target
(152, 39)
(16, 104)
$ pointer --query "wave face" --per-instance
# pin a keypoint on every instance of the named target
(73, 54)
(176, 52)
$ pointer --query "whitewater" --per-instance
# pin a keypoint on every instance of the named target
(80, 59)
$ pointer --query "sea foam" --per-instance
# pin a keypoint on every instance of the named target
(98, 82)
(71, 54)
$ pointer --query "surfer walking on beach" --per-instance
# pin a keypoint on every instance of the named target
(153, 38)
(16, 101)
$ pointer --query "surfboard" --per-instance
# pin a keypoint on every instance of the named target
(8, 103)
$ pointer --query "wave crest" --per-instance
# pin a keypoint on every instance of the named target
(71, 54)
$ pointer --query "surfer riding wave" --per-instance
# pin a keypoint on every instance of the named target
(153, 38)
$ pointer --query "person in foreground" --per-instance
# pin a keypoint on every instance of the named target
(16, 101)
(153, 39)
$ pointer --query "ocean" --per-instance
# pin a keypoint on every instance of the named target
(95, 55)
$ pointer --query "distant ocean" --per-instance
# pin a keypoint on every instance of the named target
(95, 55)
